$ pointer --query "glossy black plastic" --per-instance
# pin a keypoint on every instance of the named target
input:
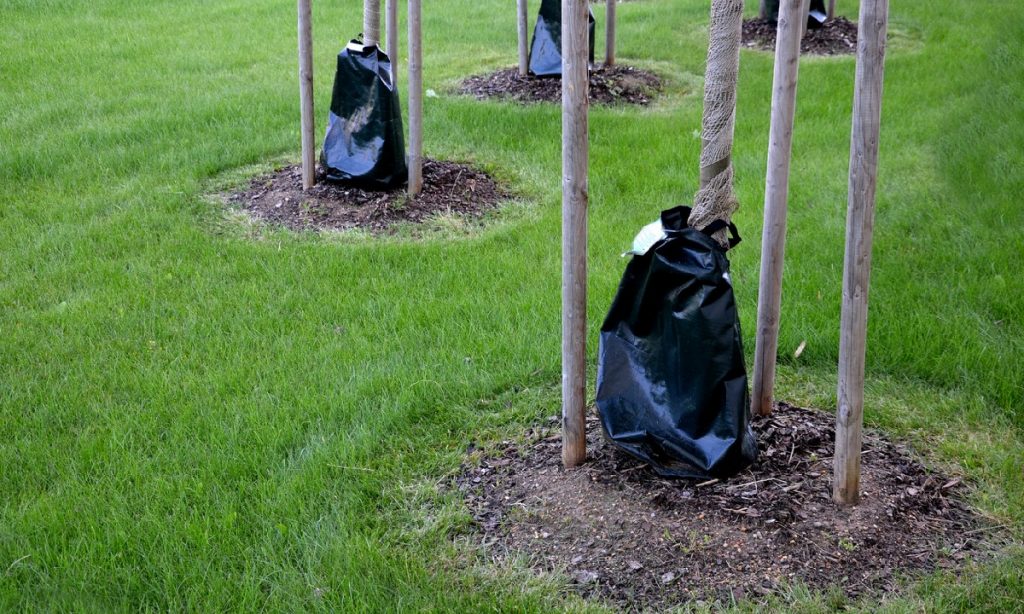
(816, 15)
(364, 146)
(546, 48)
(671, 379)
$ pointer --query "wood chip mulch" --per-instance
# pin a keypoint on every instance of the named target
(448, 188)
(618, 84)
(837, 36)
(626, 536)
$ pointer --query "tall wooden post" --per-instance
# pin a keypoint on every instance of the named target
(371, 23)
(391, 27)
(575, 82)
(776, 194)
(609, 32)
(860, 219)
(524, 52)
(806, 12)
(415, 98)
(308, 126)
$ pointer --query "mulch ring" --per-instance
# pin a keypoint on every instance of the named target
(615, 84)
(448, 188)
(627, 536)
(837, 36)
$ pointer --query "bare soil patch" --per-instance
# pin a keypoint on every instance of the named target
(837, 36)
(625, 535)
(618, 84)
(448, 188)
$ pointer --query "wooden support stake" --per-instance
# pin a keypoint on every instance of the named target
(806, 12)
(415, 98)
(371, 23)
(308, 126)
(776, 194)
(575, 52)
(860, 219)
(522, 26)
(831, 10)
(609, 32)
(391, 27)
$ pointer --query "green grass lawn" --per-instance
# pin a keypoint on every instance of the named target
(198, 417)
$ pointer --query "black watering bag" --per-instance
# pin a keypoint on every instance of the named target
(816, 14)
(364, 145)
(671, 379)
(546, 47)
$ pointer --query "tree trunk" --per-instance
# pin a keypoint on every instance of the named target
(762, 10)
(720, 92)
(371, 23)
(831, 9)
(415, 99)
(575, 81)
(715, 199)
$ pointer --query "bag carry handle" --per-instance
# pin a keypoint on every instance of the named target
(734, 233)
(679, 217)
